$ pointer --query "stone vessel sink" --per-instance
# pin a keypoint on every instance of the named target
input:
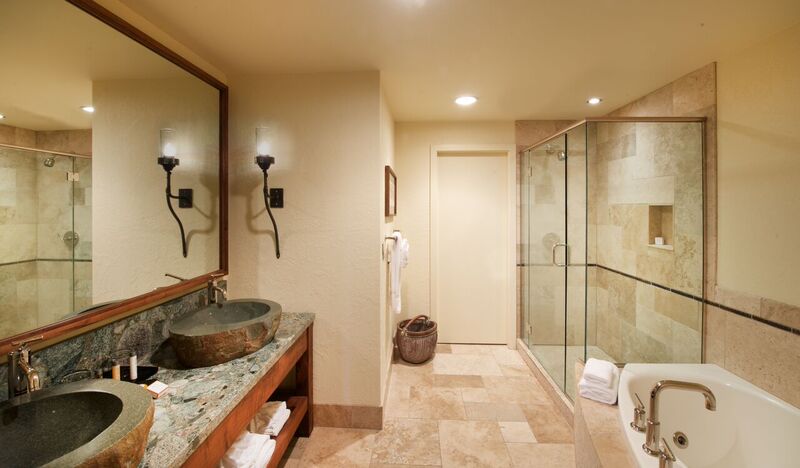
(87, 423)
(221, 332)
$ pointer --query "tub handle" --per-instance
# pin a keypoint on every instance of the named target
(666, 458)
(638, 423)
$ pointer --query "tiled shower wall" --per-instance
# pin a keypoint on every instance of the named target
(643, 311)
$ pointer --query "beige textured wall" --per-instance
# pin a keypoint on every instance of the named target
(386, 224)
(759, 168)
(327, 143)
(759, 172)
(135, 239)
(413, 141)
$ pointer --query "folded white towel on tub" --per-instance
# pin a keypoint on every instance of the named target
(600, 392)
(601, 373)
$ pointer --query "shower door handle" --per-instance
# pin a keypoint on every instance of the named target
(566, 254)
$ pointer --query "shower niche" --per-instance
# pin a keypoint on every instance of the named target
(659, 225)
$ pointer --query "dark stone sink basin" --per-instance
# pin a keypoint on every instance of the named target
(220, 332)
(87, 423)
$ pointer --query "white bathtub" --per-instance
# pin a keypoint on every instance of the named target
(750, 428)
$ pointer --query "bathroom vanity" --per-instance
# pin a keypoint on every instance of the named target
(207, 408)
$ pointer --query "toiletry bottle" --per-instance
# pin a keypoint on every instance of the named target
(134, 368)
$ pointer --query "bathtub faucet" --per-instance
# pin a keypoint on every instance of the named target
(653, 434)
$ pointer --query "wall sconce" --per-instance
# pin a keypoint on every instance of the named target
(271, 197)
(168, 160)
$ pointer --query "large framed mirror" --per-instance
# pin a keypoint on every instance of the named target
(113, 180)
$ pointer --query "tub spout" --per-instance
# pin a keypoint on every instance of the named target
(653, 434)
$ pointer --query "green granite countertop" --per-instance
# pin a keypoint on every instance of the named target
(200, 399)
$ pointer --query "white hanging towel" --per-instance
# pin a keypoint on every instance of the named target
(399, 259)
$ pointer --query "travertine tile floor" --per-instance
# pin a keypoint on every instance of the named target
(471, 406)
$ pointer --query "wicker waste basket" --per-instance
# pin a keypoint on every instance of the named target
(416, 339)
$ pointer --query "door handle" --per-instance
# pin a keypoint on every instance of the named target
(566, 254)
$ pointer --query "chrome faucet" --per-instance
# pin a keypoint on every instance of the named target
(22, 377)
(653, 434)
(215, 291)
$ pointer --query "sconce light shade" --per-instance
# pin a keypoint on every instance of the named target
(263, 159)
(169, 149)
(262, 141)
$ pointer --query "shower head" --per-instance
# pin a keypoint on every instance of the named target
(50, 162)
(550, 150)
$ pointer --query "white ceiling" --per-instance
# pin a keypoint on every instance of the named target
(51, 52)
(524, 59)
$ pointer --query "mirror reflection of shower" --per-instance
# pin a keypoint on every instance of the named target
(549, 150)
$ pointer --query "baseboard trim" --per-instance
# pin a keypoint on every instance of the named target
(563, 403)
(349, 417)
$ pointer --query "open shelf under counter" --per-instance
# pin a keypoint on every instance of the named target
(299, 408)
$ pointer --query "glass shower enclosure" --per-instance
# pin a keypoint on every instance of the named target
(611, 244)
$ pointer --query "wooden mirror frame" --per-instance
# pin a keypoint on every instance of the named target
(79, 324)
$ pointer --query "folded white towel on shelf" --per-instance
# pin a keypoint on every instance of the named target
(599, 372)
(266, 414)
(266, 453)
(270, 418)
(247, 451)
(600, 391)
(274, 427)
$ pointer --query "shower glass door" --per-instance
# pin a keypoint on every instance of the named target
(546, 174)
(553, 218)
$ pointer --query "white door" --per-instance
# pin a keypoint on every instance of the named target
(470, 246)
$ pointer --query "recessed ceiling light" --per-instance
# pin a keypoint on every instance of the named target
(88, 109)
(594, 101)
(466, 100)
(2, 116)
